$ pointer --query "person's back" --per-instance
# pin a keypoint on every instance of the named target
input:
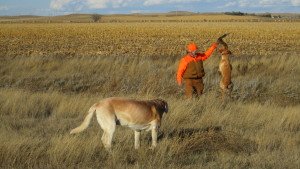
(194, 69)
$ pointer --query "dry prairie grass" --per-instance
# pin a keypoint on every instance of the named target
(51, 74)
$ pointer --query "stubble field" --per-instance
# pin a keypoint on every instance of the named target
(50, 74)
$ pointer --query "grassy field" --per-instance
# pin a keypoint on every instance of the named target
(50, 74)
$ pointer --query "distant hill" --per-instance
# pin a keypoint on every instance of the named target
(19, 17)
(181, 13)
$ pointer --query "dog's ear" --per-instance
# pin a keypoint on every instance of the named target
(162, 106)
(154, 111)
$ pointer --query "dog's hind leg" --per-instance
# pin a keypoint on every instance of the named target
(107, 136)
(108, 124)
(223, 91)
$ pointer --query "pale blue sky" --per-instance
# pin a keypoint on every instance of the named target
(59, 7)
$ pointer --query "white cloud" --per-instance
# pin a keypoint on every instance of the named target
(3, 8)
(97, 4)
(58, 4)
(121, 3)
(153, 2)
(89, 4)
(78, 4)
(106, 4)
(262, 3)
(230, 4)
(162, 2)
(295, 2)
(100, 4)
(279, 2)
(272, 2)
(244, 3)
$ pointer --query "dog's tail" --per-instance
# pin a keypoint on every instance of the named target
(86, 121)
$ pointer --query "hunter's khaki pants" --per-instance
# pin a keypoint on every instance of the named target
(193, 86)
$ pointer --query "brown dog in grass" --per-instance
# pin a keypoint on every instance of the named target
(225, 69)
(135, 114)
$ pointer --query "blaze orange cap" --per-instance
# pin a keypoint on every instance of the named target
(192, 47)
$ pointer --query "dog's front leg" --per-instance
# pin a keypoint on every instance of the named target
(154, 136)
(137, 141)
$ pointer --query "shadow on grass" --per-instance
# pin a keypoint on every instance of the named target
(210, 139)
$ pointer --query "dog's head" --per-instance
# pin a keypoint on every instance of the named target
(223, 49)
(161, 106)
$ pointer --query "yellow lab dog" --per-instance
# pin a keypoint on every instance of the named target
(135, 114)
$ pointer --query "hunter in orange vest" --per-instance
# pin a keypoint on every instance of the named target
(191, 69)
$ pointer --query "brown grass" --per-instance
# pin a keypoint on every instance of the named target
(50, 74)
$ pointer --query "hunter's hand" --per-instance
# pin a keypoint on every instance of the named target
(219, 41)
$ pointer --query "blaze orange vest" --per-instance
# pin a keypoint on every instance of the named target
(192, 67)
